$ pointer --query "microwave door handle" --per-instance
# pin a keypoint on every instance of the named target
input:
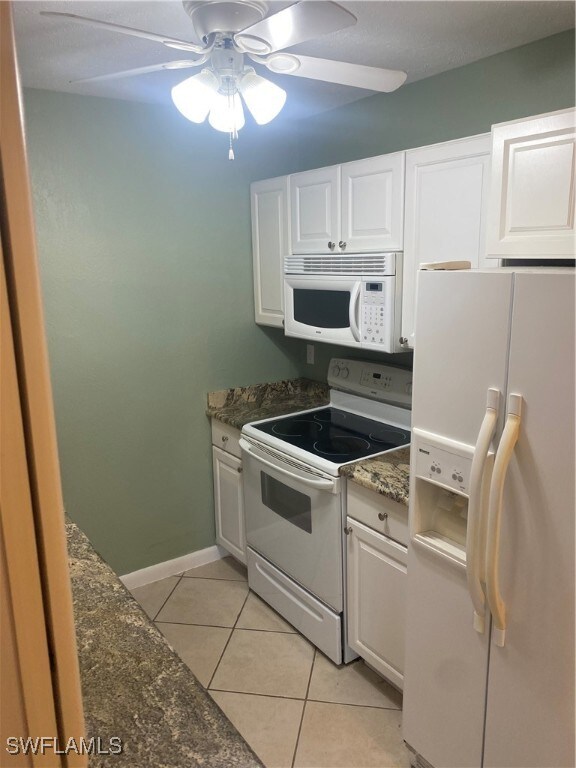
(353, 312)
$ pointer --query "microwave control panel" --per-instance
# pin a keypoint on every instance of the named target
(374, 313)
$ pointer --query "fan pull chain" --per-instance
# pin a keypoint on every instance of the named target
(231, 150)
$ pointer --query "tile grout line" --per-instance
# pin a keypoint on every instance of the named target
(228, 641)
(222, 626)
(262, 695)
(168, 598)
(304, 708)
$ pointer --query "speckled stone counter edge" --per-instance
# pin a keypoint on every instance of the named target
(237, 407)
(134, 686)
(388, 474)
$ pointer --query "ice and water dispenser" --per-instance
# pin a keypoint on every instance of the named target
(440, 489)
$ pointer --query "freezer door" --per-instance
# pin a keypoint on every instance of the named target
(462, 327)
(530, 704)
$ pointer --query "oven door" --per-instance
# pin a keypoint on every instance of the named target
(322, 307)
(294, 520)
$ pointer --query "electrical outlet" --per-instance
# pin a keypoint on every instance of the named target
(310, 354)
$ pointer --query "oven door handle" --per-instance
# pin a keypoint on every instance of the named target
(353, 311)
(321, 484)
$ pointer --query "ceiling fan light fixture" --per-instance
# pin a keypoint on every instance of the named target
(194, 96)
(263, 98)
(226, 113)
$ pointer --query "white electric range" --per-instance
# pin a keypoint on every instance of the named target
(293, 500)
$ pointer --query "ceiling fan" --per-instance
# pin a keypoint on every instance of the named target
(231, 31)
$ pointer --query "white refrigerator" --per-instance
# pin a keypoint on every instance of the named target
(489, 669)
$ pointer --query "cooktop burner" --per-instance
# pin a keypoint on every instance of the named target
(338, 436)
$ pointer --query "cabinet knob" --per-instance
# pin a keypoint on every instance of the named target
(347, 530)
(331, 245)
(382, 515)
(239, 469)
(403, 340)
(224, 438)
(342, 244)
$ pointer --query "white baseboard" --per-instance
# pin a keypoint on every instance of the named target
(172, 567)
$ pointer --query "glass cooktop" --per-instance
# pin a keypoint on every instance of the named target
(338, 436)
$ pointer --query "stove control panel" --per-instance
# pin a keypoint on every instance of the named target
(372, 380)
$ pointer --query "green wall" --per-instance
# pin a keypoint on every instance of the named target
(529, 80)
(144, 241)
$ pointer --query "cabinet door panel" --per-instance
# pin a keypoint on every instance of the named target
(533, 187)
(446, 202)
(376, 581)
(270, 243)
(229, 504)
(315, 210)
(373, 204)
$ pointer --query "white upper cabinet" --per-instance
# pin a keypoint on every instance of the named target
(315, 210)
(532, 192)
(356, 207)
(270, 243)
(446, 206)
(372, 204)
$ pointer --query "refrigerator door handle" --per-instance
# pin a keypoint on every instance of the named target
(474, 557)
(503, 456)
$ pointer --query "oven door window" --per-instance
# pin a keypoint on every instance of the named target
(290, 504)
(321, 308)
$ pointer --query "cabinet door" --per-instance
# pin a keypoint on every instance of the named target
(270, 243)
(229, 504)
(446, 206)
(532, 190)
(372, 204)
(376, 584)
(315, 210)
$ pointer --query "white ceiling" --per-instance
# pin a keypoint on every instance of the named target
(421, 38)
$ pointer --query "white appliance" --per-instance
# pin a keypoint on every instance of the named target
(489, 666)
(352, 300)
(293, 501)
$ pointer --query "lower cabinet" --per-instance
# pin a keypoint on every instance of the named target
(228, 498)
(376, 591)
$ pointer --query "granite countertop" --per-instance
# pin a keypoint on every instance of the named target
(134, 686)
(388, 474)
(241, 405)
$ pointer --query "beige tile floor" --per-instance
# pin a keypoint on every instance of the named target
(293, 706)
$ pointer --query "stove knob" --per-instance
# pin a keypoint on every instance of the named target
(336, 370)
(344, 373)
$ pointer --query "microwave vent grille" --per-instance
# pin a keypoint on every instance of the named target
(341, 264)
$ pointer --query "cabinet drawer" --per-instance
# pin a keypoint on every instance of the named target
(227, 438)
(366, 506)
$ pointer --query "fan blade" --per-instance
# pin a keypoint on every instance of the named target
(295, 24)
(171, 42)
(142, 70)
(355, 75)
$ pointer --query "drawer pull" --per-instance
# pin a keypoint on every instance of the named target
(382, 515)
(224, 438)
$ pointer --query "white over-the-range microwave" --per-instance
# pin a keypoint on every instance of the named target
(348, 299)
